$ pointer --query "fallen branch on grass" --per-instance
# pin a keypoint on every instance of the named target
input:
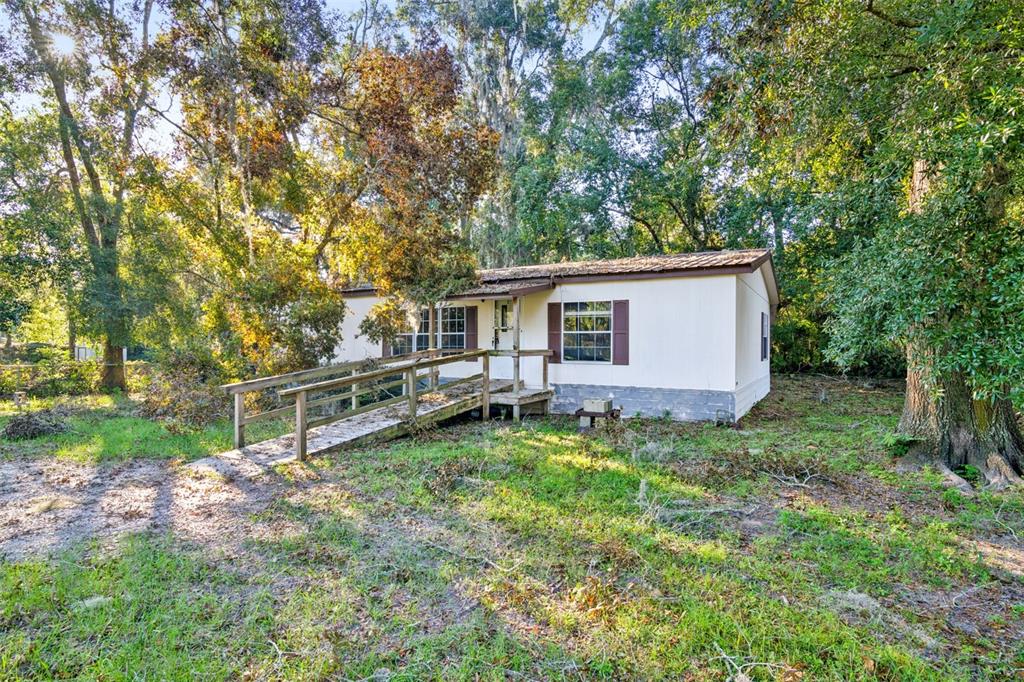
(737, 670)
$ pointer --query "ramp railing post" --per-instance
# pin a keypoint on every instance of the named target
(485, 388)
(300, 425)
(239, 420)
(410, 385)
(355, 390)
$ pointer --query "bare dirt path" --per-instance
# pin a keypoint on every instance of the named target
(49, 505)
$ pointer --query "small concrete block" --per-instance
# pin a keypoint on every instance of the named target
(585, 422)
(597, 404)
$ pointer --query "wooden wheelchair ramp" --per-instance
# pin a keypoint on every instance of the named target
(422, 400)
(376, 425)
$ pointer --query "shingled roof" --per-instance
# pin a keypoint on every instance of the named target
(523, 279)
(747, 259)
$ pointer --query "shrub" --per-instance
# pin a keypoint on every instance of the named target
(898, 444)
(184, 390)
(34, 425)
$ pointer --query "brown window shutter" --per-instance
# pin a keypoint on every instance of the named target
(472, 329)
(620, 332)
(555, 331)
(385, 348)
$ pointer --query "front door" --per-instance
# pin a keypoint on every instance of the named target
(501, 338)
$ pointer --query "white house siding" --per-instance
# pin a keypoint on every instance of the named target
(753, 376)
(353, 346)
(685, 337)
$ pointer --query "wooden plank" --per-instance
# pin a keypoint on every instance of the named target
(457, 382)
(322, 421)
(410, 389)
(522, 398)
(278, 379)
(269, 414)
(313, 373)
(523, 353)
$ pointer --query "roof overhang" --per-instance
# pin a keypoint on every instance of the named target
(496, 290)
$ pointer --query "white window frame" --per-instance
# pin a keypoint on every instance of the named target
(455, 315)
(610, 331)
(419, 339)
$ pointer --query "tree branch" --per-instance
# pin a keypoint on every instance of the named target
(888, 18)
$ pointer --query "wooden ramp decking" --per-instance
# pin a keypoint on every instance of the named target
(384, 423)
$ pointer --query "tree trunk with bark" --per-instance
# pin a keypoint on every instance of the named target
(113, 376)
(954, 430)
(951, 427)
(99, 201)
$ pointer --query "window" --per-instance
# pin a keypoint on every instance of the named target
(452, 327)
(587, 332)
(451, 332)
(764, 336)
(502, 316)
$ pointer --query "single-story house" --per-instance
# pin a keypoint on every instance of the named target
(685, 335)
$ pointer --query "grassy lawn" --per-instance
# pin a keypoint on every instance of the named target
(105, 428)
(790, 549)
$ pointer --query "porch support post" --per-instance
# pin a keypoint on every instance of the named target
(435, 373)
(410, 388)
(515, 343)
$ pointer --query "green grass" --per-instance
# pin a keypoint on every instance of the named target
(149, 612)
(104, 428)
(496, 552)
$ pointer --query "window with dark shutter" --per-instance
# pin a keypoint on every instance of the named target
(555, 331)
(472, 329)
(620, 333)
(587, 331)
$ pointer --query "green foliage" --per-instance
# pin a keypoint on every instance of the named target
(184, 391)
(898, 444)
(849, 99)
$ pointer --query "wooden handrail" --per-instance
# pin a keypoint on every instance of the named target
(408, 366)
(520, 353)
(410, 370)
(379, 373)
(240, 388)
(278, 379)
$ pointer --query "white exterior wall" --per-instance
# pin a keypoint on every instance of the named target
(681, 332)
(753, 375)
(353, 346)
(691, 333)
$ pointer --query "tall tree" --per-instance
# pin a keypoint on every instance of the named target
(904, 118)
(95, 61)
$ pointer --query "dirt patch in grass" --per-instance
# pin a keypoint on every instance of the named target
(50, 505)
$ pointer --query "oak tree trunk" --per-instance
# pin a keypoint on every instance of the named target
(113, 376)
(953, 429)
